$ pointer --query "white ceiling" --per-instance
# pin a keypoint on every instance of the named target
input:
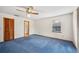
(44, 11)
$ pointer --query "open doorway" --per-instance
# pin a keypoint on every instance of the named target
(26, 28)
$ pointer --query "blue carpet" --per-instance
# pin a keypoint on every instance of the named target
(37, 44)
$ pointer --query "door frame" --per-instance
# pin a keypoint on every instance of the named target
(27, 29)
(4, 27)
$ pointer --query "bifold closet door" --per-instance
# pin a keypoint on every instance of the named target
(8, 29)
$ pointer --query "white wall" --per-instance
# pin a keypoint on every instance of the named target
(75, 27)
(1, 29)
(44, 27)
(18, 25)
(78, 29)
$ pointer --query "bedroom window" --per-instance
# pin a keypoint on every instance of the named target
(56, 27)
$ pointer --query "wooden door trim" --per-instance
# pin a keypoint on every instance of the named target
(24, 28)
(4, 27)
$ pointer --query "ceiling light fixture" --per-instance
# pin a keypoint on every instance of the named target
(28, 15)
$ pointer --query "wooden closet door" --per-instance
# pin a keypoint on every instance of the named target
(8, 29)
(11, 28)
